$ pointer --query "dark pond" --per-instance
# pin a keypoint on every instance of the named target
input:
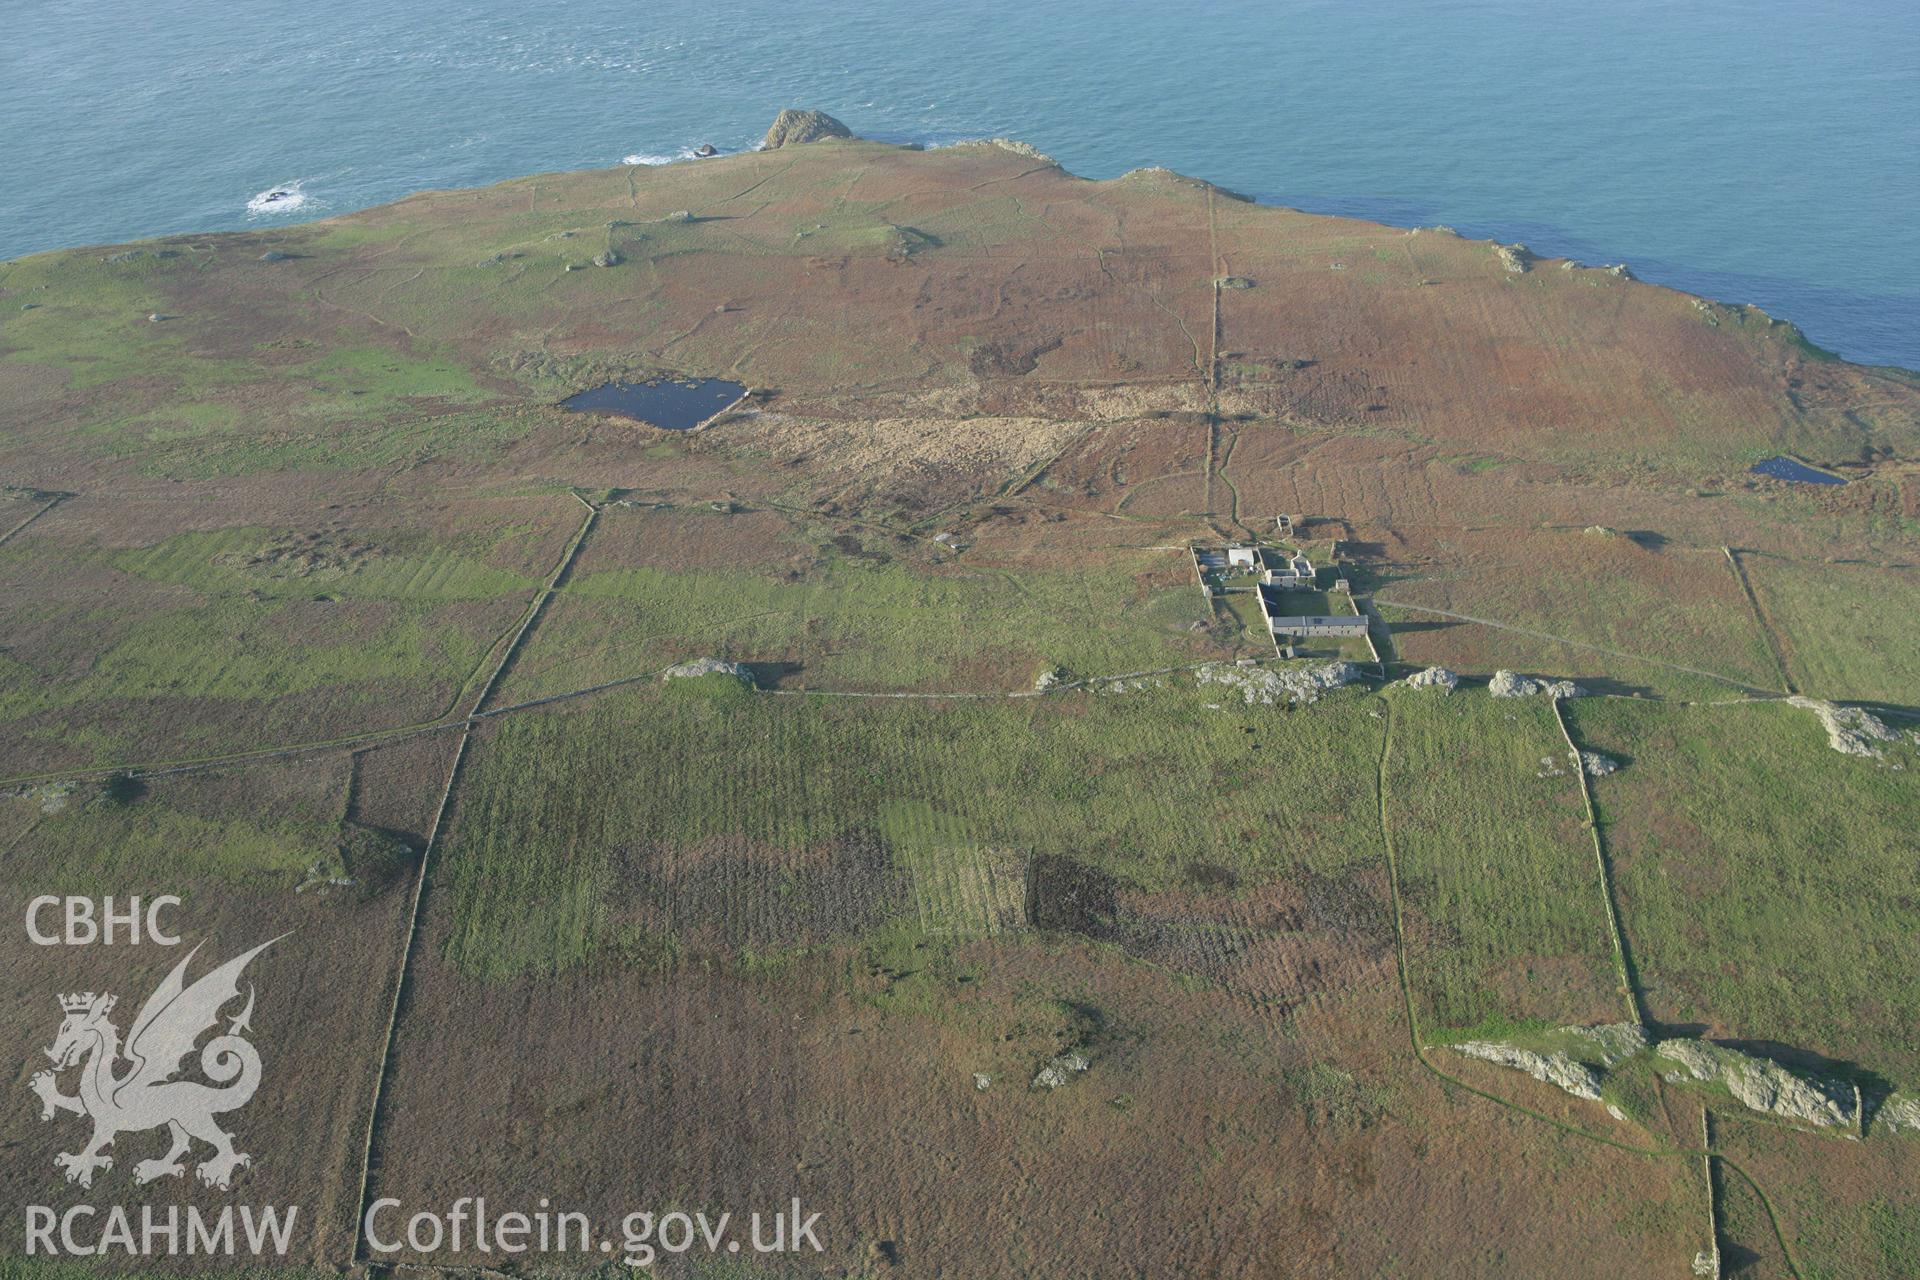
(1789, 469)
(674, 406)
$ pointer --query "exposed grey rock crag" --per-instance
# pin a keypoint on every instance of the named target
(708, 667)
(1510, 684)
(1011, 145)
(1262, 687)
(793, 126)
(1434, 678)
(1761, 1084)
(1850, 730)
(1514, 257)
(1899, 1111)
(1557, 1069)
(1059, 1069)
(1597, 765)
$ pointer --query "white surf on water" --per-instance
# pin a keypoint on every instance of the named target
(288, 197)
(649, 158)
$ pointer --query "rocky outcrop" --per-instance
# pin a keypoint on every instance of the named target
(1059, 1069)
(1258, 686)
(1556, 1069)
(1899, 1111)
(1760, 1083)
(1850, 730)
(1012, 146)
(1514, 257)
(1510, 684)
(1608, 1044)
(708, 667)
(1434, 678)
(792, 127)
(1597, 765)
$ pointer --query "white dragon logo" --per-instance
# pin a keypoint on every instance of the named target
(144, 1096)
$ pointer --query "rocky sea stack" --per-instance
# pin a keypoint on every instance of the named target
(794, 126)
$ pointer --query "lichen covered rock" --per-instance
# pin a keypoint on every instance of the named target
(1261, 686)
(1850, 730)
(708, 667)
(1557, 1069)
(792, 127)
(1595, 764)
(1760, 1083)
(1059, 1069)
(1514, 257)
(1434, 678)
(1510, 684)
(1900, 1111)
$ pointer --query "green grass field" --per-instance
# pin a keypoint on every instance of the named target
(1768, 885)
(1599, 590)
(1847, 629)
(257, 634)
(1505, 923)
(227, 562)
(124, 837)
(849, 624)
(1143, 785)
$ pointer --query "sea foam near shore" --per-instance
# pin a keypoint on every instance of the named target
(287, 197)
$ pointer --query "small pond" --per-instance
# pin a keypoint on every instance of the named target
(675, 405)
(1791, 469)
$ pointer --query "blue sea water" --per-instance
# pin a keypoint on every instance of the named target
(1762, 151)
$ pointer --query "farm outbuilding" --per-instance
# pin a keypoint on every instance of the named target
(1342, 625)
(1295, 571)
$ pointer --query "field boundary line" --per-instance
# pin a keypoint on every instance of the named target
(400, 987)
(57, 500)
(1767, 632)
(1577, 644)
(539, 605)
(1623, 967)
(1087, 682)
(1713, 1201)
(1420, 1053)
(466, 723)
